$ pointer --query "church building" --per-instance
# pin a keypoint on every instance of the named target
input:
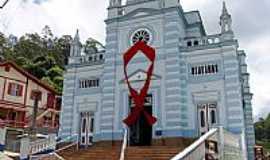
(199, 81)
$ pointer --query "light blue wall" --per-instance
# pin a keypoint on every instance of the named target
(174, 91)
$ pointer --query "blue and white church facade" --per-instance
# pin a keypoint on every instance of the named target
(199, 81)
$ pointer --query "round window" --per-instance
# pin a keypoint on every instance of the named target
(141, 35)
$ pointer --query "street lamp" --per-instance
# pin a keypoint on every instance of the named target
(36, 95)
(3, 3)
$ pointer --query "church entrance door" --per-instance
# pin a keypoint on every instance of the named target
(86, 128)
(207, 117)
(140, 133)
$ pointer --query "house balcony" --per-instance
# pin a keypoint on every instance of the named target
(13, 124)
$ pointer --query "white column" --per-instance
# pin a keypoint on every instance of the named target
(244, 145)
(25, 148)
(2, 138)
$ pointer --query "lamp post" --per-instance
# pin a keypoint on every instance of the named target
(36, 97)
(3, 3)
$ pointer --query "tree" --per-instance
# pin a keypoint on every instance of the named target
(63, 45)
(44, 55)
(91, 46)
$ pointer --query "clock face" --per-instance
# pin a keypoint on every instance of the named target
(141, 35)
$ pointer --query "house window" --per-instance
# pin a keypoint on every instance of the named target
(15, 89)
(13, 116)
(37, 94)
(207, 69)
(90, 83)
(50, 100)
(7, 68)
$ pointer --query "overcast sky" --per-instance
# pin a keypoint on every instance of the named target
(251, 24)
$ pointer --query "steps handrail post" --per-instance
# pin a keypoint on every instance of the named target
(124, 145)
(77, 142)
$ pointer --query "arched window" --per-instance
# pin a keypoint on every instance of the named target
(84, 125)
(189, 43)
(213, 117)
(192, 70)
(202, 119)
(196, 43)
(101, 57)
(90, 58)
(199, 70)
(216, 68)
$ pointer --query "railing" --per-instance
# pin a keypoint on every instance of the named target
(201, 41)
(74, 139)
(43, 145)
(14, 124)
(93, 58)
(197, 150)
(13, 146)
(124, 145)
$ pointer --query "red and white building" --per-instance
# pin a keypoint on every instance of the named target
(17, 90)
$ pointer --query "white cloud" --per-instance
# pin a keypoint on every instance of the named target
(258, 60)
(65, 16)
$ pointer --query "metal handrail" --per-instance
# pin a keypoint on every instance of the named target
(124, 145)
(195, 145)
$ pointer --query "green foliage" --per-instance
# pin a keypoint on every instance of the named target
(262, 132)
(42, 55)
(91, 46)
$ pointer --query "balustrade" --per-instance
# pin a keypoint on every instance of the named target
(201, 41)
(93, 58)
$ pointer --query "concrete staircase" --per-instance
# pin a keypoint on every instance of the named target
(151, 153)
(164, 150)
(92, 153)
(113, 153)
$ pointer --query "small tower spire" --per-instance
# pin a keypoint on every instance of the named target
(224, 9)
(76, 45)
(77, 36)
(226, 22)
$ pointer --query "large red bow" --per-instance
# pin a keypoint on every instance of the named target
(138, 98)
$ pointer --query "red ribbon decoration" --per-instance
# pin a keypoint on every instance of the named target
(139, 98)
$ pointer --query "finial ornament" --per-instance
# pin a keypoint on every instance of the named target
(77, 36)
(76, 45)
(226, 23)
(225, 20)
(224, 9)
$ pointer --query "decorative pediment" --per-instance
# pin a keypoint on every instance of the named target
(141, 12)
(206, 96)
(140, 75)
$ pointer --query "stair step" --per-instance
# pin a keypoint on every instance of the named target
(111, 151)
